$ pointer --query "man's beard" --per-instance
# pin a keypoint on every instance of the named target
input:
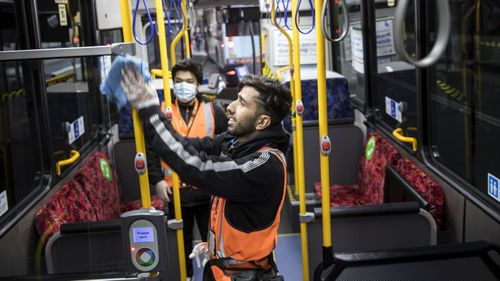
(243, 128)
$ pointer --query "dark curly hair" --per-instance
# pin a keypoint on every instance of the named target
(275, 98)
(191, 66)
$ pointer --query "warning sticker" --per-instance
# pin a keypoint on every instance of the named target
(370, 148)
(106, 170)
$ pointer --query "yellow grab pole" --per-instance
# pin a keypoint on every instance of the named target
(292, 89)
(187, 44)
(168, 107)
(299, 145)
(138, 132)
(181, 33)
(323, 136)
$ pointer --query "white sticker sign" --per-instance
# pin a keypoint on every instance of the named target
(357, 49)
(385, 38)
(4, 204)
(385, 42)
(63, 19)
(76, 130)
(393, 109)
(493, 187)
(307, 42)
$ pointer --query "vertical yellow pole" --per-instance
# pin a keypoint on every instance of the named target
(323, 127)
(138, 131)
(299, 145)
(181, 33)
(168, 105)
(187, 44)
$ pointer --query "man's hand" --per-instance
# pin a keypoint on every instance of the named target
(200, 249)
(139, 94)
(163, 190)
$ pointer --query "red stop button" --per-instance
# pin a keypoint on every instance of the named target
(139, 164)
(325, 146)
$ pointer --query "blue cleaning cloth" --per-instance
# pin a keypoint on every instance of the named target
(111, 87)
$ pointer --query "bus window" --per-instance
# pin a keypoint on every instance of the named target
(396, 96)
(74, 117)
(464, 97)
(349, 53)
(20, 159)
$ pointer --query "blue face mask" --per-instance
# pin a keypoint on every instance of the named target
(185, 92)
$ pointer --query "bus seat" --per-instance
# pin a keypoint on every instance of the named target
(370, 187)
(69, 204)
(77, 217)
(372, 181)
(373, 227)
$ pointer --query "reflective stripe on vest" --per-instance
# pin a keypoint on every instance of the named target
(238, 245)
(202, 125)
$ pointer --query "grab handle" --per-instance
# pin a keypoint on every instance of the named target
(398, 134)
(346, 23)
(74, 156)
(443, 35)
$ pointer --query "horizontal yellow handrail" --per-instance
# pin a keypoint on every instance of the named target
(61, 77)
(74, 156)
(398, 133)
(279, 71)
(155, 72)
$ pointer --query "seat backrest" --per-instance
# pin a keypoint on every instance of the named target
(85, 252)
(69, 204)
(338, 99)
(98, 180)
(372, 171)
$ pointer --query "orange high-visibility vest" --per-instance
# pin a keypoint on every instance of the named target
(230, 244)
(200, 124)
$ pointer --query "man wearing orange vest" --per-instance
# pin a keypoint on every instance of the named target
(192, 117)
(244, 170)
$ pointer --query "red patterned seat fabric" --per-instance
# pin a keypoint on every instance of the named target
(156, 203)
(102, 193)
(68, 205)
(425, 186)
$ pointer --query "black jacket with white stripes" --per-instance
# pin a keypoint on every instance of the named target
(251, 181)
